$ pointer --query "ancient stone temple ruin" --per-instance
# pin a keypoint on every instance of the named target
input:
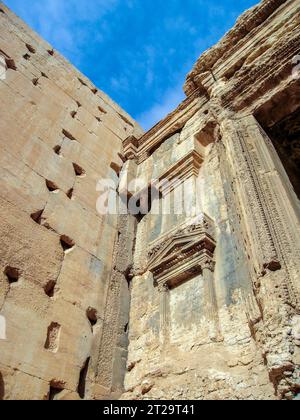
(202, 303)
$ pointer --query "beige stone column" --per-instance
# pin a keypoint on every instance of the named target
(164, 310)
(211, 307)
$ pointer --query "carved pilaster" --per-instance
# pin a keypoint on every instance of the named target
(253, 203)
(210, 299)
(131, 145)
(111, 343)
(268, 213)
(164, 311)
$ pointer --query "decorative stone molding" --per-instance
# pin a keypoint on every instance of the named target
(143, 147)
(130, 145)
(231, 41)
(182, 254)
(185, 168)
(209, 264)
(269, 215)
(264, 249)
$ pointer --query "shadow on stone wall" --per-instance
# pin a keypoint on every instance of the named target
(2, 388)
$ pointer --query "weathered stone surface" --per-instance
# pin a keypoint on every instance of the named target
(56, 144)
(234, 338)
(196, 300)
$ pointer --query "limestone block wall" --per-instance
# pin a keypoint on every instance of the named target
(59, 136)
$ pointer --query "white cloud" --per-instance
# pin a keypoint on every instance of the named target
(169, 101)
(65, 23)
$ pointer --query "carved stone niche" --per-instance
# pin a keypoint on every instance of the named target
(183, 253)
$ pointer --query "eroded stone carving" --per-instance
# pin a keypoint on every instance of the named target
(182, 254)
(199, 305)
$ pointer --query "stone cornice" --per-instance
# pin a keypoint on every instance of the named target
(245, 24)
(183, 253)
(225, 61)
(186, 167)
(173, 123)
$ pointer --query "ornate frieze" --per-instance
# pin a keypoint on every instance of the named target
(253, 200)
(183, 253)
(270, 218)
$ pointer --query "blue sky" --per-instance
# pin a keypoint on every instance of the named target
(137, 51)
